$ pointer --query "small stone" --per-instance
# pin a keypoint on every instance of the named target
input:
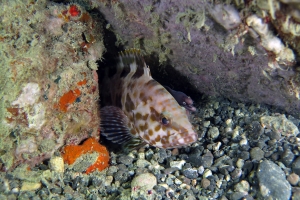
(175, 152)
(56, 164)
(235, 133)
(228, 130)
(296, 166)
(229, 122)
(236, 173)
(108, 180)
(275, 135)
(213, 133)
(242, 186)
(296, 193)
(240, 163)
(141, 155)
(125, 159)
(149, 154)
(205, 183)
(15, 190)
(29, 186)
(121, 176)
(216, 146)
(111, 170)
(287, 157)
(169, 181)
(237, 195)
(177, 181)
(206, 124)
(207, 173)
(201, 170)
(272, 181)
(207, 159)
(243, 142)
(190, 173)
(256, 154)
(143, 182)
(185, 186)
(164, 185)
(280, 124)
(177, 164)
(293, 178)
(142, 163)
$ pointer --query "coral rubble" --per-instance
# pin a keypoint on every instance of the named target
(49, 86)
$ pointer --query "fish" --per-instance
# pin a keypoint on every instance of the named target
(182, 99)
(137, 110)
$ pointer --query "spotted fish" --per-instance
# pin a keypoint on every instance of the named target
(138, 110)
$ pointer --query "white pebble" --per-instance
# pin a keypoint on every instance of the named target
(207, 173)
(240, 163)
(56, 164)
(29, 186)
(216, 146)
(108, 180)
(177, 181)
(177, 164)
(243, 142)
(200, 170)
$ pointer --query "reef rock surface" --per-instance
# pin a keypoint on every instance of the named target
(49, 86)
(243, 51)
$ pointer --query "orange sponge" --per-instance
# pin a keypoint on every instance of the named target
(91, 145)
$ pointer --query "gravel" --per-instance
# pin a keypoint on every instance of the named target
(244, 151)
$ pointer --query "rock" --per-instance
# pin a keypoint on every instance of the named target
(121, 176)
(111, 170)
(280, 124)
(242, 186)
(272, 181)
(190, 173)
(142, 163)
(293, 178)
(240, 163)
(257, 154)
(205, 183)
(245, 155)
(177, 181)
(287, 157)
(207, 173)
(207, 159)
(296, 193)
(177, 164)
(57, 164)
(125, 159)
(213, 133)
(29, 186)
(296, 166)
(142, 183)
(237, 195)
(236, 173)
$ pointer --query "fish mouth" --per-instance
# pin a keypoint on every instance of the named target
(187, 139)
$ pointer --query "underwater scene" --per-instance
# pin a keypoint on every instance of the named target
(150, 99)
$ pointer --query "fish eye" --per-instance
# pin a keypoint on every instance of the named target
(184, 103)
(165, 121)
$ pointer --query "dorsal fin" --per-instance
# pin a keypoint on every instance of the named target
(132, 61)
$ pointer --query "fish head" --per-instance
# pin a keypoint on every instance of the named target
(165, 123)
